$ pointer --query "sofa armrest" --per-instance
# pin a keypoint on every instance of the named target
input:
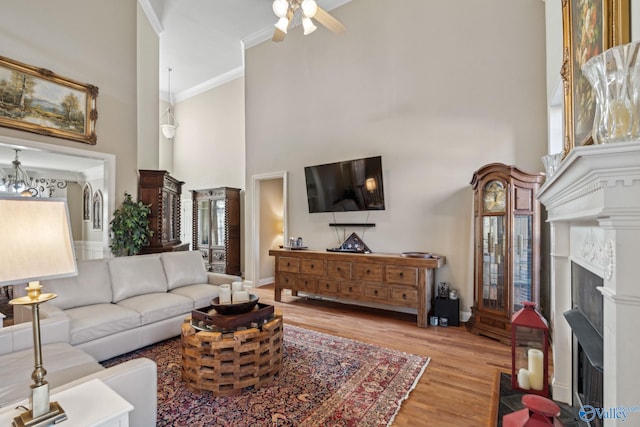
(221, 278)
(19, 337)
(136, 381)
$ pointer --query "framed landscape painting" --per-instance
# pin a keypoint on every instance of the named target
(589, 28)
(37, 100)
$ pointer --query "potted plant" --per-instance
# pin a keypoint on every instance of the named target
(130, 230)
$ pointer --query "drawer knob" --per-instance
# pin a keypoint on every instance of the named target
(312, 266)
(326, 285)
(338, 268)
(404, 296)
(368, 271)
(350, 289)
(288, 264)
(375, 292)
(401, 274)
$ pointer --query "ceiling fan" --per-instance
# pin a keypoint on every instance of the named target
(286, 9)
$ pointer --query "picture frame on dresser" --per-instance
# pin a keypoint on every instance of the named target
(589, 27)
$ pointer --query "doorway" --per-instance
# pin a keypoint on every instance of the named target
(269, 223)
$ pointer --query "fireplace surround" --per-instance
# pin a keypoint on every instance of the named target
(593, 206)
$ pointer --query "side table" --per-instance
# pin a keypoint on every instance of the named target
(226, 363)
(90, 404)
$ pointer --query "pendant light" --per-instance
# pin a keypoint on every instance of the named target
(170, 123)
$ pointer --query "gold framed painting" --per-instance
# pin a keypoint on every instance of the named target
(589, 27)
(39, 101)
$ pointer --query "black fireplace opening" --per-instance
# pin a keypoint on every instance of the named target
(586, 320)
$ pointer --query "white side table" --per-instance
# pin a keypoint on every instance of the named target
(90, 404)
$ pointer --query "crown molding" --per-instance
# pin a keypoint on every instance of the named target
(210, 84)
(151, 16)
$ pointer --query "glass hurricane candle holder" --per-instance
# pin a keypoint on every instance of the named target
(615, 77)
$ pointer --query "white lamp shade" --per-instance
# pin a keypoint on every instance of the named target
(309, 8)
(169, 131)
(280, 8)
(282, 24)
(36, 240)
(308, 26)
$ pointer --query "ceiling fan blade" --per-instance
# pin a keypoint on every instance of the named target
(278, 35)
(329, 21)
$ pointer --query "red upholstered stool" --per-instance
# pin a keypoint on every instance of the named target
(538, 412)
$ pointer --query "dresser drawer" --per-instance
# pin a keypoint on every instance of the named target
(287, 281)
(327, 287)
(350, 289)
(404, 296)
(371, 272)
(312, 266)
(402, 275)
(339, 269)
(306, 284)
(288, 264)
(376, 292)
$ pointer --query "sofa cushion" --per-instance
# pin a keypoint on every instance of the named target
(96, 321)
(136, 275)
(200, 294)
(92, 285)
(158, 306)
(183, 268)
(62, 361)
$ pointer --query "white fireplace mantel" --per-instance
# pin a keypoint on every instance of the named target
(593, 206)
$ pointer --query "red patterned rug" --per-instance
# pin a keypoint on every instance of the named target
(325, 381)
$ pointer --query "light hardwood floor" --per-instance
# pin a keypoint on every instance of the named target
(455, 389)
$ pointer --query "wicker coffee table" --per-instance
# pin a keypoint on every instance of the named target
(227, 363)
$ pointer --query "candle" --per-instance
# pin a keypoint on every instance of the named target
(225, 294)
(241, 296)
(523, 379)
(235, 287)
(536, 369)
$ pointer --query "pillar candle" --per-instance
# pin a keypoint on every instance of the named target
(536, 369)
(240, 296)
(235, 287)
(225, 294)
(523, 379)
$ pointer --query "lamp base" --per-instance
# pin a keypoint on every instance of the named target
(55, 415)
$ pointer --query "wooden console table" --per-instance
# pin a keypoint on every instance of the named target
(383, 278)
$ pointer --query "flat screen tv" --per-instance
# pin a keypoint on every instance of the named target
(351, 185)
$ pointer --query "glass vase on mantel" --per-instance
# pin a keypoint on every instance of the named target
(615, 77)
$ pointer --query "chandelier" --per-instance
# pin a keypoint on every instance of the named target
(17, 180)
(170, 123)
(285, 10)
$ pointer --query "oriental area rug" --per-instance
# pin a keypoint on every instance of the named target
(325, 380)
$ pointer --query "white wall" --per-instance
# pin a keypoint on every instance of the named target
(439, 89)
(208, 149)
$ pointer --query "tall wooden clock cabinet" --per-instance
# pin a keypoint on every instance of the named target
(506, 247)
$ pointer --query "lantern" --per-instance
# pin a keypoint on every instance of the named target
(530, 351)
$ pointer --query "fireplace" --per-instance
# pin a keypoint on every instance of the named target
(586, 322)
(593, 207)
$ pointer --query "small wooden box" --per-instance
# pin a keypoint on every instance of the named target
(202, 318)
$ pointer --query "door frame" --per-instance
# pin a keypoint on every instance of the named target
(256, 180)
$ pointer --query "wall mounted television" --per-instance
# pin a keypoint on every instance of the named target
(351, 185)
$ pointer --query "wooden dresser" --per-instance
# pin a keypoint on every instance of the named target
(389, 279)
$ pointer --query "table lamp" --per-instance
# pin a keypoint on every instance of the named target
(37, 245)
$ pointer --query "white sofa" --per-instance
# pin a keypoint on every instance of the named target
(116, 305)
(111, 307)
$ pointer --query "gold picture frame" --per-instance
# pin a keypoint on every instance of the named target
(589, 27)
(39, 101)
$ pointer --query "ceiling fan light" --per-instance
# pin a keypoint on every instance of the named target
(280, 8)
(282, 24)
(308, 26)
(309, 8)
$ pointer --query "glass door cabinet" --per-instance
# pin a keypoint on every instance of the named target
(216, 228)
(506, 246)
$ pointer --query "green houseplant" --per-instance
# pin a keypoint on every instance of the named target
(130, 230)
